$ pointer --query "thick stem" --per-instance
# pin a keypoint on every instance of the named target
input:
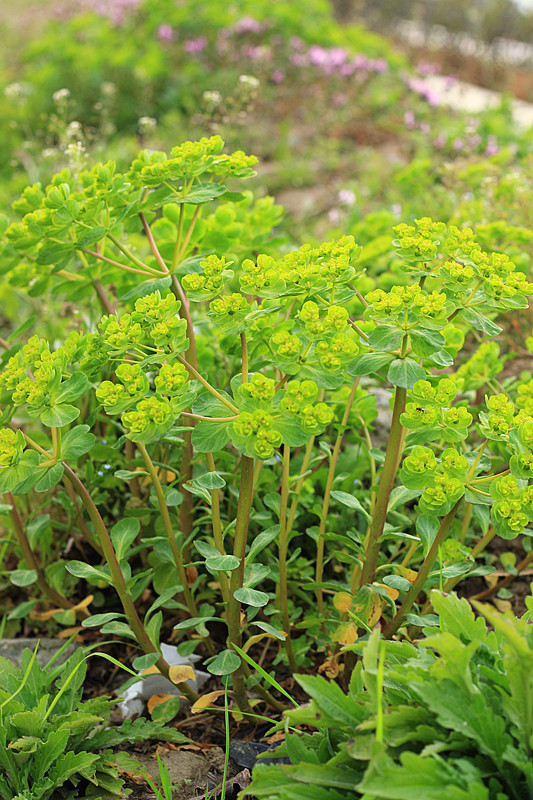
(246, 492)
(85, 532)
(167, 523)
(119, 583)
(29, 557)
(244, 349)
(327, 497)
(386, 482)
(423, 573)
(103, 297)
(282, 555)
(185, 313)
(153, 246)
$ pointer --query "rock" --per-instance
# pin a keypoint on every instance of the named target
(12, 649)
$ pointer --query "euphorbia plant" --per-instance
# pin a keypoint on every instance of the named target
(216, 377)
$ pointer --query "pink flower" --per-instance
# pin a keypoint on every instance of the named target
(492, 146)
(346, 197)
(195, 45)
(165, 33)
(278, 76)
(409, 119)
(248, 25)
(334, 216)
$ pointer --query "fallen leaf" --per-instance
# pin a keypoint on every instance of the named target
(206, 700)
(156, 700)
(179, 673)
(345, 633)
(67, 633)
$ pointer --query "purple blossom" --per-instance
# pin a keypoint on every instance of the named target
(440, 141)
(427, 68)
(423, 89)
(195, 45)
(248, 25)
(492, 146)
(278, 76)
(165, 33)
(425, 127)
(409, 119)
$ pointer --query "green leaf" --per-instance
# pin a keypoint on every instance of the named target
(147, 287)
(123, 534)
(24, 326)
(210, 437)
(72, 389)
(143, 662)
(405, 372)
(426, 343)
(23, 577)
(225, 663)
(368, 363)
(222, 563)
(118, 629)
(76, 442)
(167, 711)
(82, 570)
(201, 193)
(481, 322)
(350, 501)
(50, 478)
(427, 527)
(90, 237)
(58, 415)
(260, 542)
(251, 597)
(96, 620)
(211, 480)
(386, 337)
(128, 474)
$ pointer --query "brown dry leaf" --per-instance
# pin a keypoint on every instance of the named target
(330, 667)
(206, 701)
(83, 603)
(153, 670)
(192, 574)
(156, 700)
(393, 593)
(279, 736)
(179, 673)
(342, 601)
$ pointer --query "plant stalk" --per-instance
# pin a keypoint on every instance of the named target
(423, 573)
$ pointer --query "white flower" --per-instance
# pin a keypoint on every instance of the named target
(212, 98)
(61, 96)
(248, 81)
(346, 197)
(147, 124)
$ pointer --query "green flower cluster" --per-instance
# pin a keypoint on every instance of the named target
(44, 380)
(230, 312)
(154, 322)
(192, 159)
(513, 507)
(261, 277)
(256, 433)
(11, 446)
(210, 284)
(443, 482)
(431, 411)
